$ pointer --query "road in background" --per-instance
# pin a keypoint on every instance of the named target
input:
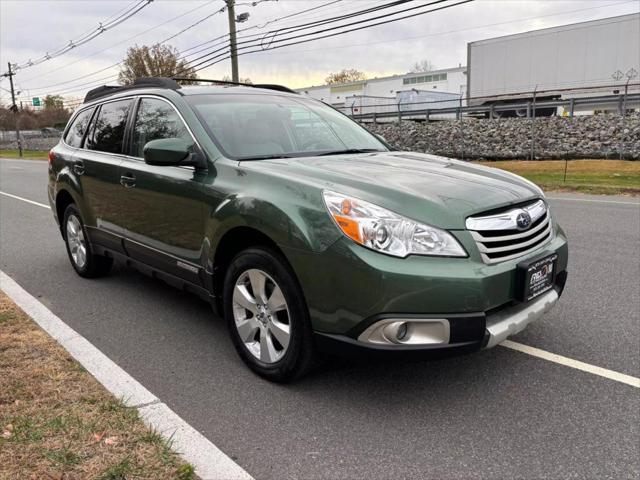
(497, 413)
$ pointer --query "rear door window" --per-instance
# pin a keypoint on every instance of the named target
(156, 119)
(108, 128)
(78, 128)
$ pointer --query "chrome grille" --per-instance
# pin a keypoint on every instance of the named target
(504, 236)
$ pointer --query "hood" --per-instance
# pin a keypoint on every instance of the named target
(426, 188)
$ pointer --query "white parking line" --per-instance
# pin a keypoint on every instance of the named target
(536, 352)
(569, 362)
(589, 200)
(209, 462)
(25, 200)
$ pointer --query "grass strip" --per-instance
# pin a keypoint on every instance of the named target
(58, 422)
(608, 177)
(26, 154)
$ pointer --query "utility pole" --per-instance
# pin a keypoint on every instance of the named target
(232, 40)
(14, 108)
(533, 125)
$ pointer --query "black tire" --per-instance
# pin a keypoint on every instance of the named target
(298, 357)
(94, 265)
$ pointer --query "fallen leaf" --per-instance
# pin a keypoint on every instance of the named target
(9, 427)
(111, 440)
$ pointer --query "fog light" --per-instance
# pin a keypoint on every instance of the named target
(402, 331)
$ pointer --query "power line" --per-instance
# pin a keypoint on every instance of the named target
(211, 61)
(369, 43)
(341, 33)
(447, 32)
(210, 55)
(102, 27)
(258, 26)
(123, 41)
(218, 58)
(171, 37)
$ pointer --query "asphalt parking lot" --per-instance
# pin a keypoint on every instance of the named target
(495, 414)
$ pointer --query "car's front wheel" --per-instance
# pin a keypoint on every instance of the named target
(84, 261)
(267, 316)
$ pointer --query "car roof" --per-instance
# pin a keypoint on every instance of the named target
(157, 85)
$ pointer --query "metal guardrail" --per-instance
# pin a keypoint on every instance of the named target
(527, 109)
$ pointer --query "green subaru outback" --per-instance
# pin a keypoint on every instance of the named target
(307, 232)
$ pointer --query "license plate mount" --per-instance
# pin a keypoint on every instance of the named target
(536, 276)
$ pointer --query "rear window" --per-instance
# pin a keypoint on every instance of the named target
(78, 128)
(108, 127)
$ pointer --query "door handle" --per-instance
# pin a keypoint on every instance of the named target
(128, 180)
(78, 167)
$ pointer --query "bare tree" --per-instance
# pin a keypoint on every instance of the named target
(345, 75)
(422, 66)
(155, 61)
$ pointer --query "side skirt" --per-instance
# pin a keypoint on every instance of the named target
(152, 272)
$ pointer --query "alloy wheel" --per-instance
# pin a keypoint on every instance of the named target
(261, 315)
(76, 241)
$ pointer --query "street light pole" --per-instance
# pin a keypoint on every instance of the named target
(14, 108)
(232, 40)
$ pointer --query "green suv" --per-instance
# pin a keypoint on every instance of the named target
(307, 232)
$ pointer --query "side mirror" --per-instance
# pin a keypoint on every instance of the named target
(165, 152)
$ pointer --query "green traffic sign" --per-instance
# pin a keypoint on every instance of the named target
(36, 101)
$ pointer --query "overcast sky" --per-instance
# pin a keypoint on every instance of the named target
(31, 28)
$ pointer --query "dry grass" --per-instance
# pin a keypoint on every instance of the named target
(58, 422)
(26, 154)
(613, 177)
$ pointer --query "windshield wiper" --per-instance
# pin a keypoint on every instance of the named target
(265, 157)
(350, 150)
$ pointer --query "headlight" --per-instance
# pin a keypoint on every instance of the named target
(387, 232)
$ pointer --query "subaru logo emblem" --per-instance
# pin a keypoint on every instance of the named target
(523, 220)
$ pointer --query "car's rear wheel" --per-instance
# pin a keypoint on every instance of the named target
(84, 261)
(267, 316)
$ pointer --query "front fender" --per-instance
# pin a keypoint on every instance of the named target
(289, 225)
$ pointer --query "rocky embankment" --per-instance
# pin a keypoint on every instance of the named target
(593, 136)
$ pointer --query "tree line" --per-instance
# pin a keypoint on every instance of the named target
(52, 114)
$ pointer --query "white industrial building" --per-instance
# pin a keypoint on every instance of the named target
(448, 80)
(576, 61)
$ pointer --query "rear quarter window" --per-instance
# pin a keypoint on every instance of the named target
(78, 128)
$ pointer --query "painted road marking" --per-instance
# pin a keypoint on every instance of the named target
(25, 200)
(569, 362)
(208, 460)
(589, 200)
(536, 352)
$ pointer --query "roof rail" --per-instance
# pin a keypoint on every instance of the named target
(268, 86)
(142, 82)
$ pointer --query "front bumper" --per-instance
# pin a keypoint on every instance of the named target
(349, 288)
(466, 333)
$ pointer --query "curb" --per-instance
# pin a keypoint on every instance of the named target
(208, 460)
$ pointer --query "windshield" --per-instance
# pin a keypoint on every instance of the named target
(253, 127)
